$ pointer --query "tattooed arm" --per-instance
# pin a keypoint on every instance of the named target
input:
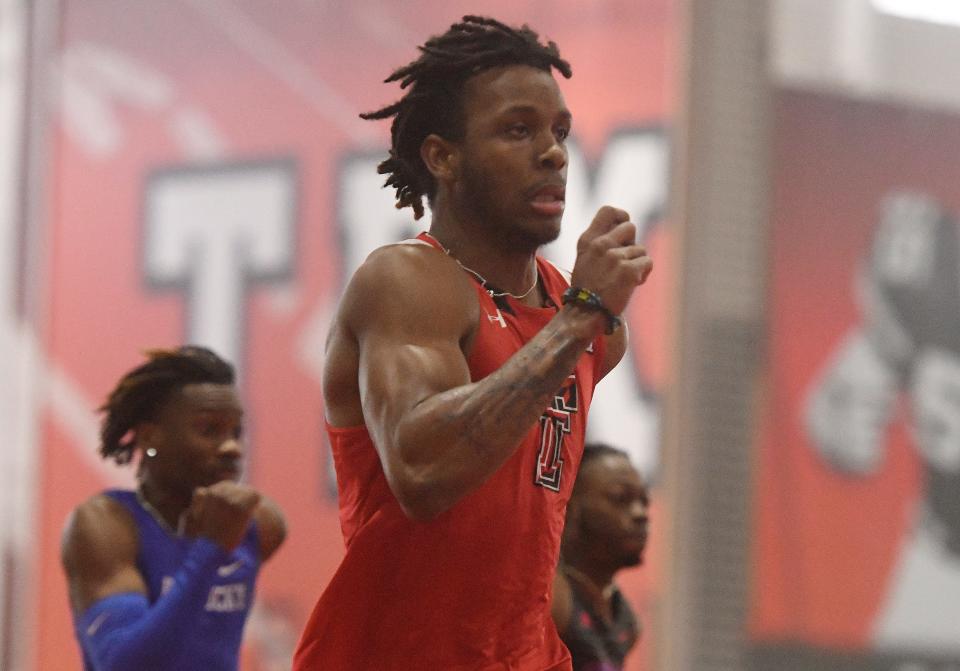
(396, 361)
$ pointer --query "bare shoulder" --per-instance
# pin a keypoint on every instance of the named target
(403, 282)
(98, 527)
(99, 551)
(271, 527)
(403, 293)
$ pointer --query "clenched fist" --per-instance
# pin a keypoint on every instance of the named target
(609, 262)
(221, 512)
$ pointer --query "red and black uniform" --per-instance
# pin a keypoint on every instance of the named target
(470, 589)
(595, 643)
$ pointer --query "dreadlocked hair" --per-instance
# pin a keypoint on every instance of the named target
(434, 102)
(142, 392)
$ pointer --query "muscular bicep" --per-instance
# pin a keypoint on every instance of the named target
(412, 313)
(399, 373)
(98, 553)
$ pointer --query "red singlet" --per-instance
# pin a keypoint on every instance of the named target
(470, 589)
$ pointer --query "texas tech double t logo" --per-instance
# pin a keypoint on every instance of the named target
(555, 424)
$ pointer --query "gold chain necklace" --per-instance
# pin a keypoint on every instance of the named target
(483, 281)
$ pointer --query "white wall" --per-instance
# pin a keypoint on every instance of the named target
(12, 62)
(848, 47)
(19, 356)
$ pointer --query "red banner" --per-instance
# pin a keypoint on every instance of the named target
(856, 562)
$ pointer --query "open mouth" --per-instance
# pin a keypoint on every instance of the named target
(549, 200)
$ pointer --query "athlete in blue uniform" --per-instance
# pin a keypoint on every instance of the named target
(162, 577)
(606, 530)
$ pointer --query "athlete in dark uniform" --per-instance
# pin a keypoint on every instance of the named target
(162, 578)
(606, 531)
(459, 369)
(598, 641)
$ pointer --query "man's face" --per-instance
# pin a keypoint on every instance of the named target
(197, 437)
(613, 511)
(513, 159)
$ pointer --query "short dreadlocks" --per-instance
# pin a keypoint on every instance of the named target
(141, 393)
(434, 103)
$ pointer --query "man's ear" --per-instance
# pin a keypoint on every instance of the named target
(441, 157)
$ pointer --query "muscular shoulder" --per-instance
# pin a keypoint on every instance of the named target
(99, 550)
(99, 525)
(410, 285)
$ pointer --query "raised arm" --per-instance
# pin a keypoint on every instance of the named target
(116, 625)
(413, 313)
(118, 628)
(615, 344)
(99, 553)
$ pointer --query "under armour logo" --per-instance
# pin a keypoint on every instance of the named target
(498, 318)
